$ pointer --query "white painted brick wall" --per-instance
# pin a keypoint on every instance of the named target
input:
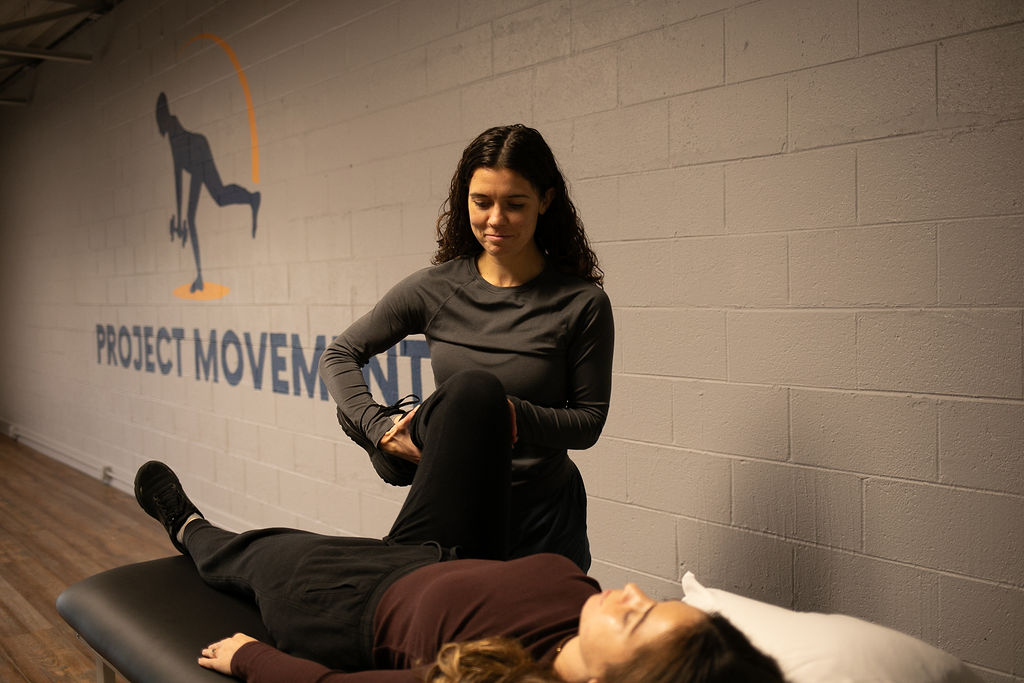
(849, 101)
(885, 434)
(730, 122)
(810, 214)
(878, 266)
(898, 516)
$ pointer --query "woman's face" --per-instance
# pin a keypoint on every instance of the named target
(616, 623)
(503, 212)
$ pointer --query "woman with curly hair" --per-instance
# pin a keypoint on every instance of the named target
(515, 291)
(359, 610)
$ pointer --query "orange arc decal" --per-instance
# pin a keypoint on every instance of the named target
(248, 97)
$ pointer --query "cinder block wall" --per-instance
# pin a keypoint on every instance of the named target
(810, 212)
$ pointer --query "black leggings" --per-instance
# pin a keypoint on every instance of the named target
(460, 495)
(317, 594)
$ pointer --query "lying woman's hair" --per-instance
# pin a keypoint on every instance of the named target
(490, 660)
(711, 651)
(560, 235)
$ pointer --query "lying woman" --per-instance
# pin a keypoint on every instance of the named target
(422, 609)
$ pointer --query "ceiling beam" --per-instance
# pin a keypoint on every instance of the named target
(87, 4)
(35, 53)
(43, 18)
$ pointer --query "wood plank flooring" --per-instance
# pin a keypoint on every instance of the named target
(58, 526)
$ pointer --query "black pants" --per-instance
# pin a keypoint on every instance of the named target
(317, 594)
(468, 501)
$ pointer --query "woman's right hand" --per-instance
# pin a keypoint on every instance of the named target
(397, 441)
(217, 656)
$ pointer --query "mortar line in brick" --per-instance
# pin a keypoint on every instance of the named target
(789, 422)
(789, 112)
(792, 577)
(856, 350)
(725, 46)
(725, 195)
(675, 543)
(857, 6)
(888, 560)
(803, 543)
(726, 337)
(937, 39)
(734, 459)
(634, 570)
(863, 513)
(856, 185)
(789, 269)
(732, 492)
(913, 308)
(868, 391)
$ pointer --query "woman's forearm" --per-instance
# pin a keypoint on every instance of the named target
(260, 663)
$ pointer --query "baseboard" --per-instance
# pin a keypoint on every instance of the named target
(70, 456)
(92, 466)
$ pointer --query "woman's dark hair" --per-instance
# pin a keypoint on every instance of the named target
(560, 235)
(712, 651)
(489, 660)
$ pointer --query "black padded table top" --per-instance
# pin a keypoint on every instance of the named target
(150, 620)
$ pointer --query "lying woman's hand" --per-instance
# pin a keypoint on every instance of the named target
(217, 656)
(398, 440)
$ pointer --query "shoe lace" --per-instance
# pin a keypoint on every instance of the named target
(400, 406)
(168, 502)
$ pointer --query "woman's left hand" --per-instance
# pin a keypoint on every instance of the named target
(217, 656)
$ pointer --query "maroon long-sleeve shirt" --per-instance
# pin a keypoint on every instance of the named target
(535, 599)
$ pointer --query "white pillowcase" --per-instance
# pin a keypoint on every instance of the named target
(829, 648)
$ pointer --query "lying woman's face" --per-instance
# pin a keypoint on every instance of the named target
(616, 623)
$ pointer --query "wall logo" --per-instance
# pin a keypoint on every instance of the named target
(262, 359)
(191, 154)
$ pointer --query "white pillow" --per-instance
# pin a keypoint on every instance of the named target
(829, 648)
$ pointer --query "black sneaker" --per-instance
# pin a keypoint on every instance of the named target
(392, 469)
(160, 494)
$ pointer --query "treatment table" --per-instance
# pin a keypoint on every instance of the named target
(149, 621)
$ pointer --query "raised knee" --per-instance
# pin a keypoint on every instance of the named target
(478, 387)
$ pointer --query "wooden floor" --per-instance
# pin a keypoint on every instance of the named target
(57, 526)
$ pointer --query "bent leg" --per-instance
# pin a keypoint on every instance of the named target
(555, 523)
(460, 494)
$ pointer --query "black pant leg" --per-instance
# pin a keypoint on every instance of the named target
(460, 494)
(553, 523)
(249, 564)
(316, 594)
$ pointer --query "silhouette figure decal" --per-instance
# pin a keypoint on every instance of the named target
(191, 153)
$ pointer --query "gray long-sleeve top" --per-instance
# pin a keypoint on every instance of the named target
(549, 341)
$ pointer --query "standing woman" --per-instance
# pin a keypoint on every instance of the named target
(515, 291)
